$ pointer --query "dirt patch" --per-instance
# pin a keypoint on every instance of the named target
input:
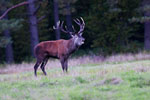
(113, 81)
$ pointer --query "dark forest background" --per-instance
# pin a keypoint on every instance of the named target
(112, 26)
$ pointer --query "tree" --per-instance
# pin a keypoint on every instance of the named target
(6, 32)
(9, 48)
(6, 24)
(144, 18)
(66, 9)
(15, 6)
(32, 21)
(146, 5)
(109, 27)
(33, 25)
(68, 16)
(56, 18)
(13, 24)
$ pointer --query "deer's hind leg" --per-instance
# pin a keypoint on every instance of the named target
(38, 62)
(43, 65)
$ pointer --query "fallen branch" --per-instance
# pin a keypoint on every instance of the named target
(15, 6)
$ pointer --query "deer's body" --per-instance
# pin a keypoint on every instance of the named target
(55, 49)
(60, 49)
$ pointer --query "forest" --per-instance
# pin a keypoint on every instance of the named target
(112, 63)
(112, 26)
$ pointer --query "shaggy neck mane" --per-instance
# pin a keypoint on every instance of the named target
(73, 47)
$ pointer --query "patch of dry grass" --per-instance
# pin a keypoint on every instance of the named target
(15, 68)
(128, 57)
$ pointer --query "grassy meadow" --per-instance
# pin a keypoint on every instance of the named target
(118, 77)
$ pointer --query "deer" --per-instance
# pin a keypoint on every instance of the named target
(59, 49)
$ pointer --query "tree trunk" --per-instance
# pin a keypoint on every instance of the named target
(9, 49)
(33, 26)
(69, 18)
(147, 35)
(56, 18)
(146, 27)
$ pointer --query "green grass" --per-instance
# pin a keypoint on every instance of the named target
(107, 81)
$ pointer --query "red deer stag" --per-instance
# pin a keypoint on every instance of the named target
(60, 49)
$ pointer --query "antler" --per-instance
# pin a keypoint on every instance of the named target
(82, 25)
(60, 26)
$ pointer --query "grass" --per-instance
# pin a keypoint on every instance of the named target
(126, 80)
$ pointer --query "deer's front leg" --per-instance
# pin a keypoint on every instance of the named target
(62, 60)
(64, 63)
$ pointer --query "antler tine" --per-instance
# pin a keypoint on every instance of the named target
(57, 25)
(62, 24)
(61, 27)
(81, 24)
(77, 21)
(73, 28)
(54, 27)
(82, 21)
(66, 28)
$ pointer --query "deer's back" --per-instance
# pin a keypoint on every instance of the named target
(51, 48)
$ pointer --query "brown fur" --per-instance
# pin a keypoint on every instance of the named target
(60, 49)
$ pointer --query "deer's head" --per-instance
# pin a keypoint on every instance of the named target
(76, 36)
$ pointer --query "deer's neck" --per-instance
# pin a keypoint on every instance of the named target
(72, 46)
